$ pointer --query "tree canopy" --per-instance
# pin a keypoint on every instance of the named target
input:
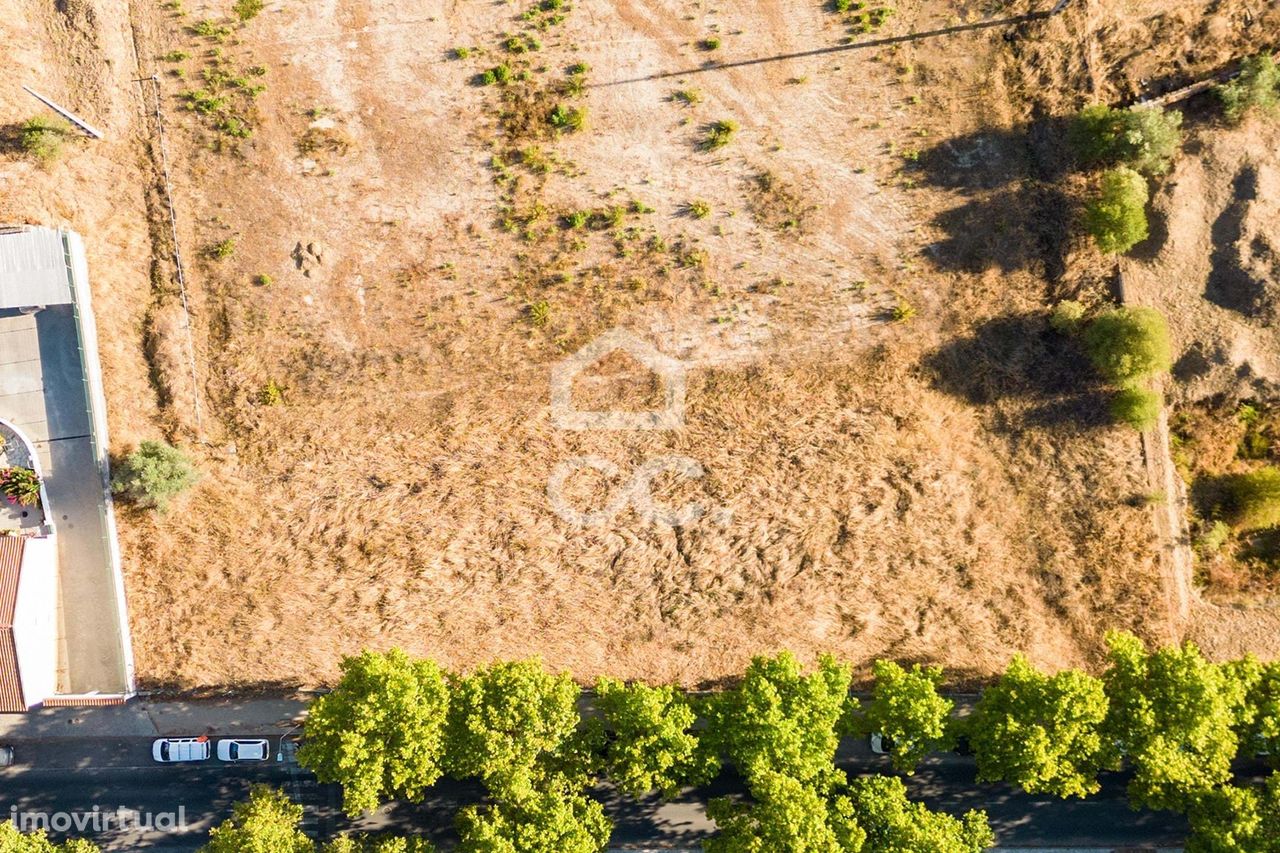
(1172, 714)
(895, 824)
(906, 708)
(1237, 820)
(510, 725)
(785, 815)
(1117, 217)
(549, 821)
(1041, 733)
(1128, 345)
(650, 744)
(380, 732)
(779, 719)
(265, 823)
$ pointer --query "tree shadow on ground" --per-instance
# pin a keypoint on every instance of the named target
(1019, 358)
(1016, 214)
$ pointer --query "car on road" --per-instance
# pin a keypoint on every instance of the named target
(170, 750)
(6, 756)
(250, 749)
(880, 744)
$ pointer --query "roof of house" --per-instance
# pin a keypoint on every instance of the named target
(11, 698)
(34, 268)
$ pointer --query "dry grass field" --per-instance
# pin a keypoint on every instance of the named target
(899, 457)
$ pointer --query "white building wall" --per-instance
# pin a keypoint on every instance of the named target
(35, 621)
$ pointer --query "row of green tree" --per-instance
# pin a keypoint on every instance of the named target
(395, 725)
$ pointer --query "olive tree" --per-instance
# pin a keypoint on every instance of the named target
(153, 475)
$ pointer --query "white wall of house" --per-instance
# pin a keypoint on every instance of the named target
(35, 621)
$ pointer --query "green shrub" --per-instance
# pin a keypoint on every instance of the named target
(176, 56)
(1067, 317)
(247, 10)
(568, 119)
(1145, 139)
(540, 313)
(1137, 407)
(712, 43)
(460, 53)
(698, 209)
(1128, 345)
(688, 97)
(719, 134)
(272, 394)
(1256, 87)
(153, 475)
(1253, 498)
(499, 74)
(1117, 219)
(42, 137)
(222, 250)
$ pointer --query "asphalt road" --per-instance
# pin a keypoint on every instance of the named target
(141, 805)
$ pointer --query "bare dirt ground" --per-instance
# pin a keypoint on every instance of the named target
(400, 275)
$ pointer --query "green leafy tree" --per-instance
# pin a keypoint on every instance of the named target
(1042, 733)
(265, 823)
(651, 744)
(549, 821)
(1136, 407)
(1128, 345)
(154, 474)
(380, 732)
(1258, 722)
(894, 824)
(1172, 714)
(1256, 87)
(1237, 820)
(1117, 218)
(906, 708)
(787, 816)
(513, 724)
(13, 841)
(43, 138)
(780, 720)
(1144, 139)
(1253, 498)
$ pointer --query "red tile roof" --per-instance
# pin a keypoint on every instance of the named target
(11, 698)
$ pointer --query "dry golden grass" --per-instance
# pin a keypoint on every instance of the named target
(941, 489)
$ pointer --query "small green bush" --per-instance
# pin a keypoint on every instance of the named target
(460, 53)
(1137, 407)
(153, 475)
(42, 138)
(1128, 345)
(719, 134)
(272, 394)
(1117, 219)
(176, 56)
(568, 119)
(247, 10)
(1253, 498)
(698, 209)
(222, 250)
(1145, 139)
(1256, 87)
(712, 43)
(688, 97)
(1067, 317)
(540, 313)
(499, 74)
